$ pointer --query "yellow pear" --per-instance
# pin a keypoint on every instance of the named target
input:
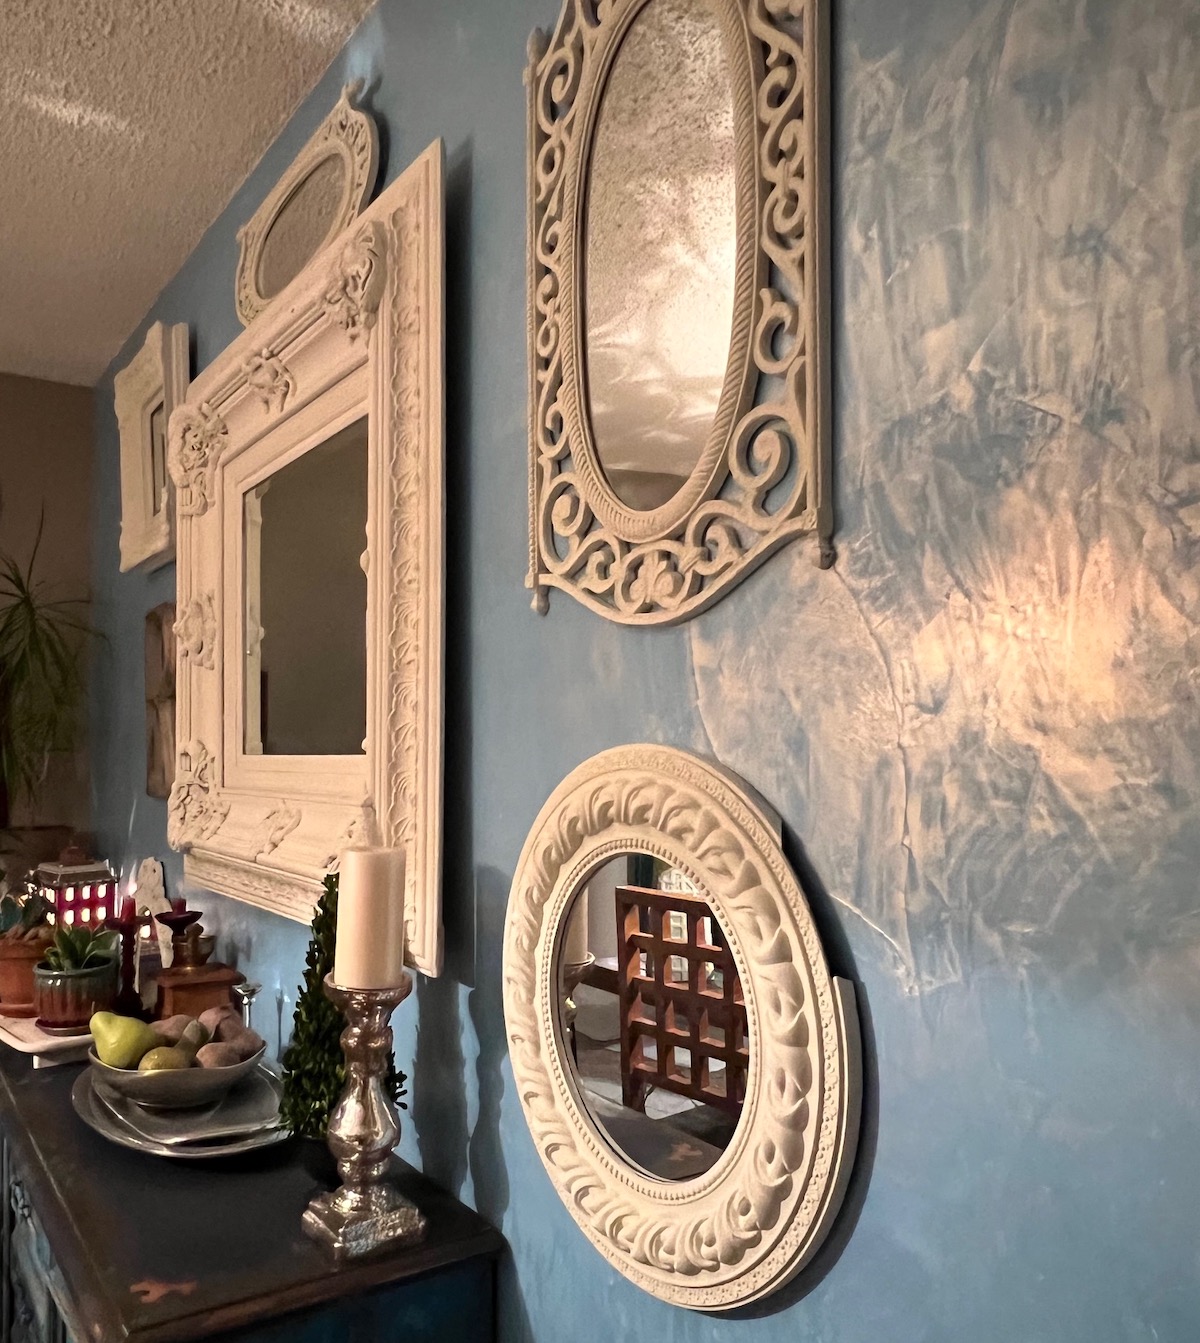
(121, 1041)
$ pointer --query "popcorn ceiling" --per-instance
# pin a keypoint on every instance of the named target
(125, 128)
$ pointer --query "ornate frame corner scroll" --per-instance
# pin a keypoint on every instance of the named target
(359, 332)
(756, 1217)
(348, 134)
(763, 477)
(153, 382)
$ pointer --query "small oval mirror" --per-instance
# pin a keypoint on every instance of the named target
(653, 1015)
(660, 246)
(304, 221)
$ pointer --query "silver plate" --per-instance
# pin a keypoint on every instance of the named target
(248, 1108)
(189, 1145)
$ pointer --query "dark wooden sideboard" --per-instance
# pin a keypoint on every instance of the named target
(103, 1245)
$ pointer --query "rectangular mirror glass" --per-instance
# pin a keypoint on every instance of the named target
(306, 602)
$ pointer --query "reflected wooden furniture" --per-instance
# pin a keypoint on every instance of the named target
(681, 1002)
(105, 1245)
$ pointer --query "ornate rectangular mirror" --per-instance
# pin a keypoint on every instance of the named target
(308, 463)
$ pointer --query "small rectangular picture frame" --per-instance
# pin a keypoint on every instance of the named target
(145, 392)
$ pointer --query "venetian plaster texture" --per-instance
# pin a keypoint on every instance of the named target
(126, 125)
(980, 728)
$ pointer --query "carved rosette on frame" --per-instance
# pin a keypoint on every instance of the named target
(196, 631)
(198, 437)
(763, 476)
(356, 281)
(757, 1216)
(195, 811)
(269, 379)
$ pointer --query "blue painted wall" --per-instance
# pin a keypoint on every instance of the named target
(981, 728)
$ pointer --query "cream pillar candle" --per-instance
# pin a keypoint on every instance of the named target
(369, 952)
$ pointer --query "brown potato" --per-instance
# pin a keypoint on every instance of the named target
(212, 1017)
(230, 1026)
(217, 1056)
(171, 1028)
(246, 1042)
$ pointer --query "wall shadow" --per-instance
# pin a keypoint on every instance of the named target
(367, 102)
(485, 1004)
(841, 963)
(437, 1091)
(458, 878)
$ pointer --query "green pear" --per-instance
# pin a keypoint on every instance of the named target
(121, 1041)
(165, 1058)
(194, 1037)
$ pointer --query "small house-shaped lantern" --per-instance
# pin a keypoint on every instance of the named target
(83, 893)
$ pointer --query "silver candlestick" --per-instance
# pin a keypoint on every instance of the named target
(246, 994)
(367, 1212)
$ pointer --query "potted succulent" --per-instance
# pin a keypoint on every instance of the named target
(77, 976)
(25, 933)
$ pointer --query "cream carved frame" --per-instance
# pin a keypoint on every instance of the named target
(753, 1220)
(764, 475)
(156, 376)
(348, 134)
(359, 331)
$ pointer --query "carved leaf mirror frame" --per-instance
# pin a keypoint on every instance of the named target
(763, 476)
(349, 136)
(358, 332)
(756, 1217)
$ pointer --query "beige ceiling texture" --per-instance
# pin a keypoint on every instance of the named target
(125, 127)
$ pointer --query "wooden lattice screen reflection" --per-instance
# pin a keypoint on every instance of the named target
(682, 1009)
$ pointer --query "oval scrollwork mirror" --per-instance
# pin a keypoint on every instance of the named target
(677, 268)
(688, 1067)
(327, 185)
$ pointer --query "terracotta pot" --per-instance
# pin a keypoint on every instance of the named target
(66, 999)
(17, 959)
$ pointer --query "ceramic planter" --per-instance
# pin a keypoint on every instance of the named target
(66, 999)
(17, 959)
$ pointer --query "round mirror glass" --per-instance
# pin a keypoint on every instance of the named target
(303, 223)
(654, 1017)
(660, 247)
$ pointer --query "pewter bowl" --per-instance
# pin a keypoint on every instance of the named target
(174, 1088)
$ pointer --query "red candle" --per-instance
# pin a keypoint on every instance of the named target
(128, 909)
(178, 904)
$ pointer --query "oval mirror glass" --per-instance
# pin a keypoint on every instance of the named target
(653, 1016)
(660, 250)
(303, 223)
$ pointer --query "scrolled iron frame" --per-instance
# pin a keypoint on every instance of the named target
(763, 476)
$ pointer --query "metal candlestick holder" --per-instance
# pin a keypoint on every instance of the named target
(129, 1001)
(367, 1212)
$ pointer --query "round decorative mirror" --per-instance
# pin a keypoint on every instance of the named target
(688, 1067)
